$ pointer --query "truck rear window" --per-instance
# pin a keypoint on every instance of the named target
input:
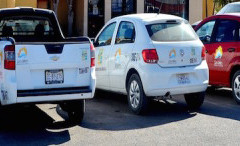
(165, 32)
(25, 27)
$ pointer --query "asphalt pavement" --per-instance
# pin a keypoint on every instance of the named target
(108, 121)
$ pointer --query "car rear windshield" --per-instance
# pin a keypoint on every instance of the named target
(165, 32)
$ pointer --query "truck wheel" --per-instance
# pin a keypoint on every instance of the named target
(137, 100)
(194, 100)
(75, 110)
(236, 87)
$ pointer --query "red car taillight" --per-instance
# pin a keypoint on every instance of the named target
(92, 55)
(203, 53)
(9, 57)
(150, 56)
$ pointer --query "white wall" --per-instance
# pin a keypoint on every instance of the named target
(108, 10)
(85, 25)
(195, 10)
(140, 6)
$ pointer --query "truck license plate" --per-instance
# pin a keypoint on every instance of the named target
(54, 76)
(183, 79)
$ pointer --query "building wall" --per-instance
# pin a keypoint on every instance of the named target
(108, 10)
(195, 10)
(207, 6)
(3, 3)
(42, 4)
(63, 15)
(79, 17)
(26, 3)
(85, 19)
(140, 6)
(18, 3)
(10, 3)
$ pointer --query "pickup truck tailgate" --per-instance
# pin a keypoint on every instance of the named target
(45, 66)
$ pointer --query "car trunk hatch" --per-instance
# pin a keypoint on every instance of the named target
(178, 54)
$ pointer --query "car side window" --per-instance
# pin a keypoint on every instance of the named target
(126, 33)
(226, 31)
(105, 38)
(205, 31)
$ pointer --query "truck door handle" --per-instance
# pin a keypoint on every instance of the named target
(231, 49)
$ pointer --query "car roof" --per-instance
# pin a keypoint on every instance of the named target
(234, 3)
(149, 17)
(232, 16)
(227, 15)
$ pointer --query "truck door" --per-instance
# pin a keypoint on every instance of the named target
(103, 47)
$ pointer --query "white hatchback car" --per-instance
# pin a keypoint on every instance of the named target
(151, 55)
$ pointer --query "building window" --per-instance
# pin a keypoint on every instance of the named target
(123, 7)
(173, 7)
(95, 17)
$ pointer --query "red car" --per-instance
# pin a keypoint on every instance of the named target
(221, 37)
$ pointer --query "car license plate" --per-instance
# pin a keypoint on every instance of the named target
(183, 79)
(54, 76)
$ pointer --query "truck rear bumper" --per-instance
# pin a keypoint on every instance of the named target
(48, 95)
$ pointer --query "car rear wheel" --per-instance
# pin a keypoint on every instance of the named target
(75, 110)
(195, 100)
(236, 87)
(137, 100)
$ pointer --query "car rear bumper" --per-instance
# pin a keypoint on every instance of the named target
(160, 81)
(177, 91)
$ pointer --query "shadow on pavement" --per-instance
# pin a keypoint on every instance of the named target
(220, 103)
(29, 125)
(109, 111)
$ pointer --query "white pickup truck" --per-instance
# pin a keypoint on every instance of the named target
(39, 65)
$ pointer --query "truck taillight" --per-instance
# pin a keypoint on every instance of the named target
(203, 53)
(92, 55)
(9, 57)
(150, 56)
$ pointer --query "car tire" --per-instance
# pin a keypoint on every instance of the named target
(75, 110)
(195, 100)
(236, 87)
(137, 100)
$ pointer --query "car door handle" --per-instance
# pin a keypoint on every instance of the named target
(231, 49)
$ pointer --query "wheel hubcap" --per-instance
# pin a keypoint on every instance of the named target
(237, 87)
(134, 94)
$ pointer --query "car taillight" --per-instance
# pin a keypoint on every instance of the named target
(9, 57)
(150, 56)
(92, 55)
(203, 53)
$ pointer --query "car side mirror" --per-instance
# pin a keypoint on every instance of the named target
(206, 39)
(96, 44)
(92, 40)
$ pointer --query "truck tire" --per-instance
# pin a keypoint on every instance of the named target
(195, 100)
(236, 87)
(75, 110)
(137, 100)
